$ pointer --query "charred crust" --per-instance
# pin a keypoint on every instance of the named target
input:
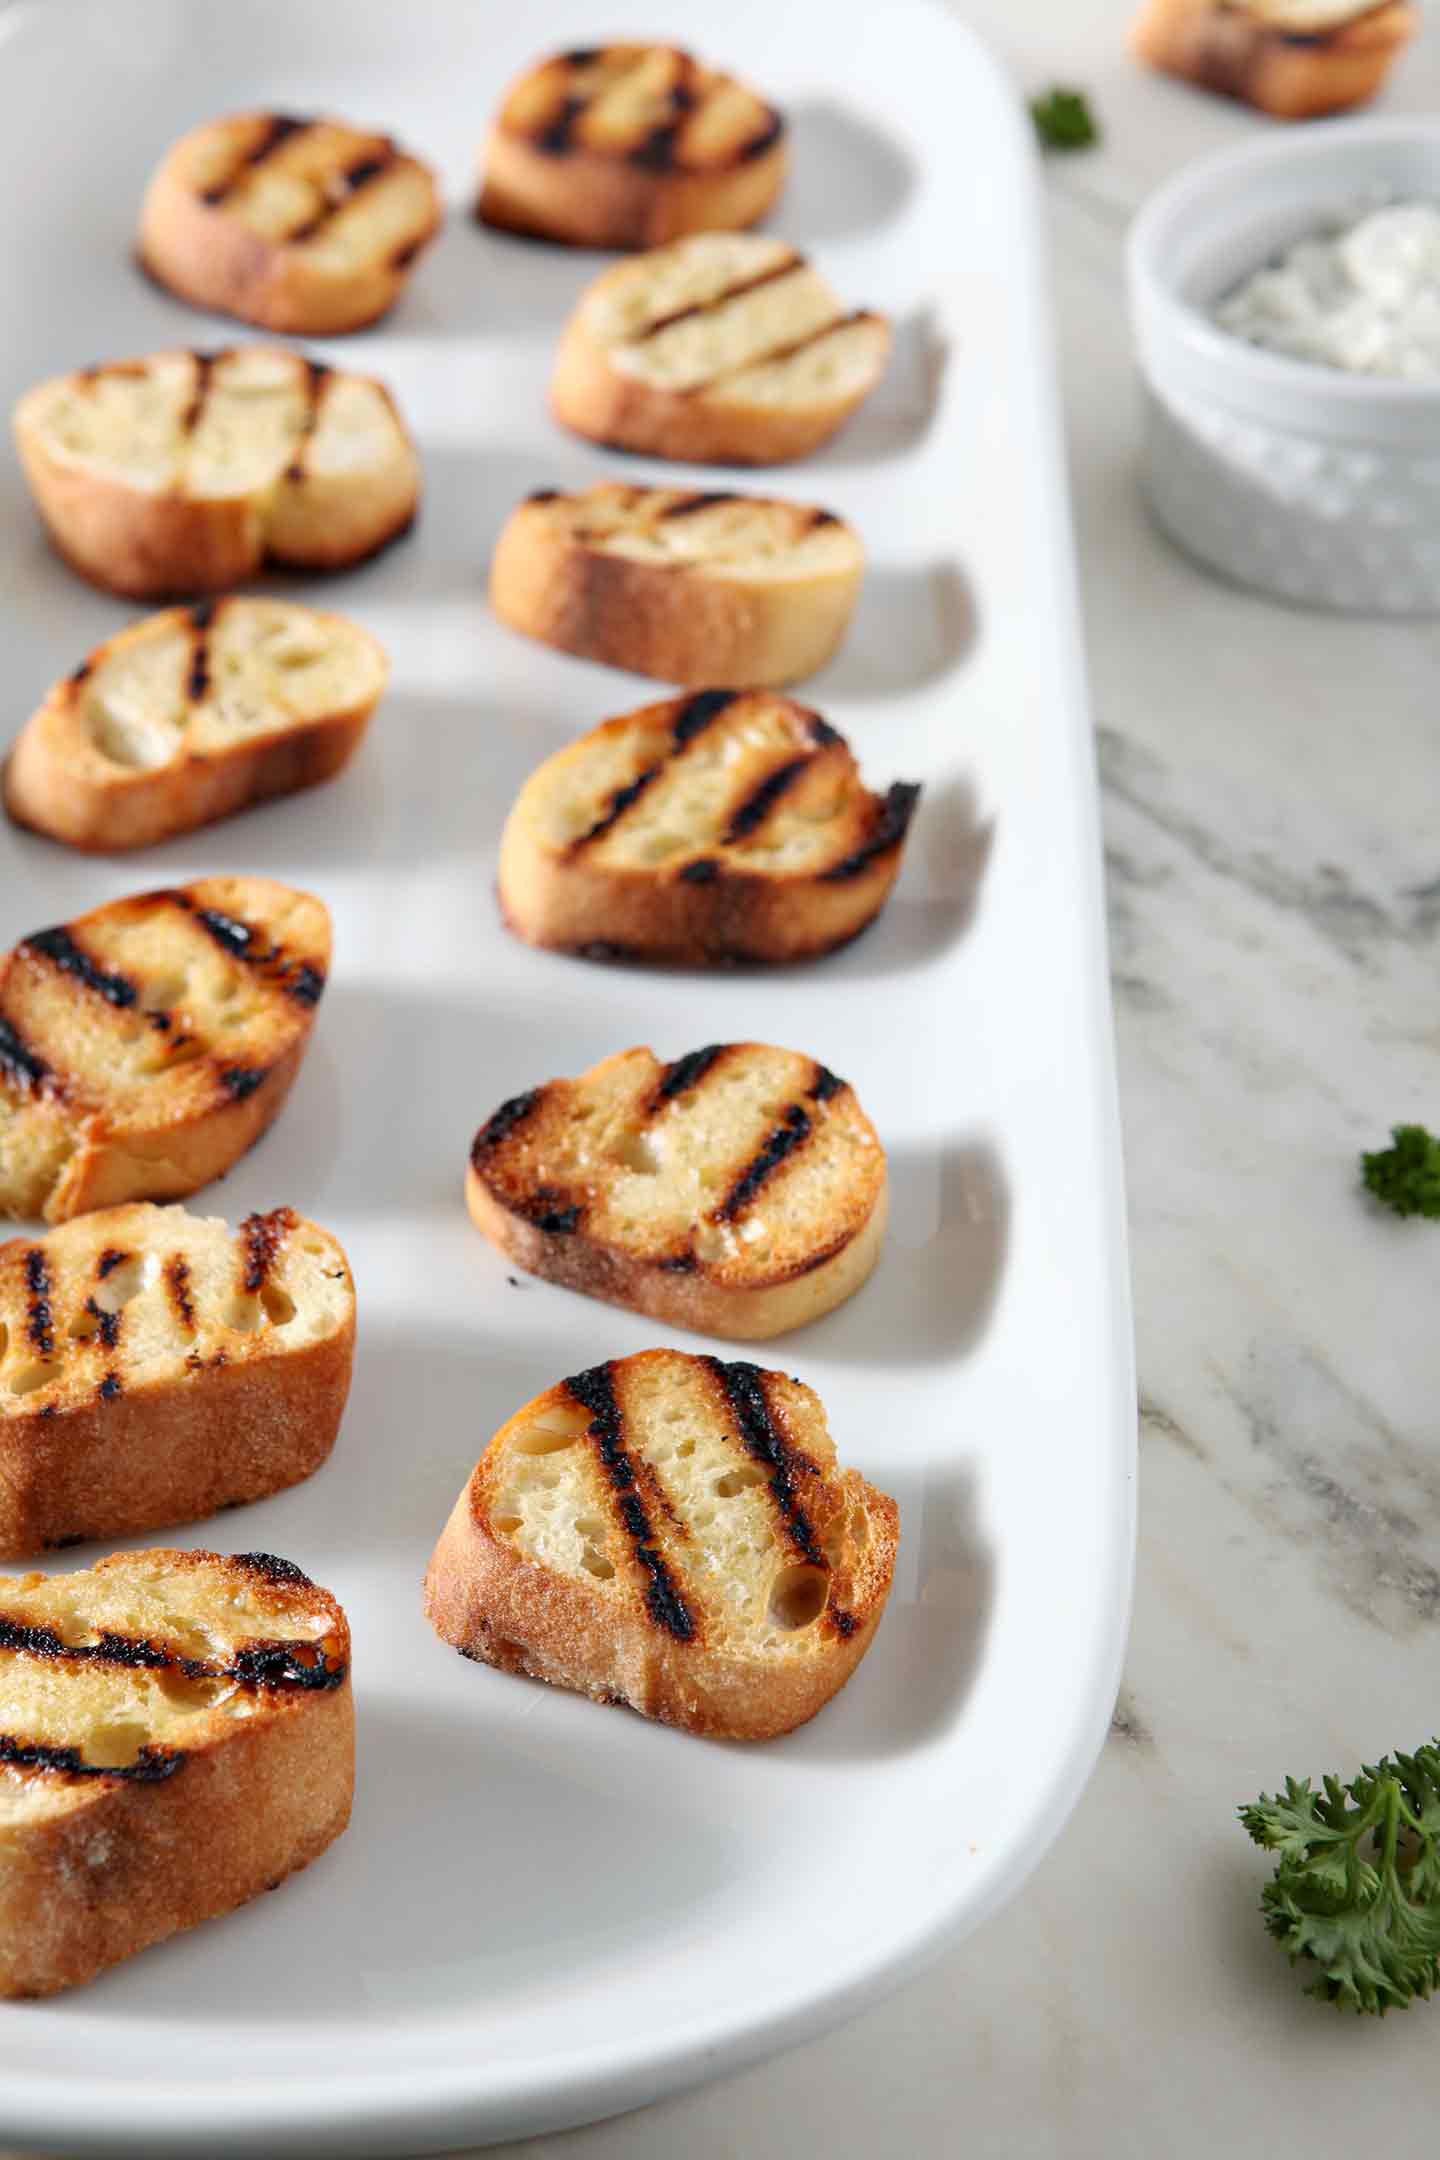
(680, 1263)
(826, 1084)
(306, 984)
(502, 1122)
(81, 674)
(63, 952)
(582, 55)
(110, 1387)
(594, 1390)
(843, 1622)
(703, 871)
(543, 495)
(892, 822)
(267, 1664)
(793, 1131)
(541, 1209)
(282, 1573)
(150, 1767)
(40, 1321)
(743, 1386)
(241, 1081)
(822, 734)
(762, 140)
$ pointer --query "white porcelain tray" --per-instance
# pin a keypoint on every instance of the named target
(544, 1910)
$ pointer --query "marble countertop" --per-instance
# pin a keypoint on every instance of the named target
(1271, 797)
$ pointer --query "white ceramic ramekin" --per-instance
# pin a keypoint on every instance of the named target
(1298, 480)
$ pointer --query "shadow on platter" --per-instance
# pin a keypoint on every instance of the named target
(912, 626)
(846, 175)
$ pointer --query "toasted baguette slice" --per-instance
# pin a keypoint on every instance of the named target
(176, 1735)
(739, 1190)
(728, 826)
(725, 349)
(674, 1533)
(146, 1045)
(157, 1367)
(192, 715)
(304, 226)
(693, 588)
(185, 472)
(623, 146)
(1293, 58)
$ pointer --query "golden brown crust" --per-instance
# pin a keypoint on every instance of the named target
(59, 781)
(113, 1090)
(198, 239)
(714, 900)
(677, 148)
(683, 620)
(119, 1442)
(739, 1190)
(502, 1608)
(85, 1885)
(162, 538)
(1294, 74)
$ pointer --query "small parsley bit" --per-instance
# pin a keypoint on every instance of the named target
(1063, 120)
(1406, 1177)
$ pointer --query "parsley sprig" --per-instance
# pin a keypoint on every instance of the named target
(1406, 1176)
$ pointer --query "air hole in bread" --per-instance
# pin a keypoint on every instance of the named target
(737, 1481)
(188, 1694)
(244, 1314)
(279, 1305)
(636, 1152)
(797, 1596)
(593, 1558)
(115, 1745)
(26, 1378)
(507, 1525)
(126, 1282)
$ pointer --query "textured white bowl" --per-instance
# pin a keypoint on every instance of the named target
(1295, 479)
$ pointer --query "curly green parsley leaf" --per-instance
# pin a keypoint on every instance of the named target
(1356, 1891)
(1063, 120)
(1406, 1177)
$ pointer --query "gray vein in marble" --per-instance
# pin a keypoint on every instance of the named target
(1350, 920)
(1155, 1420)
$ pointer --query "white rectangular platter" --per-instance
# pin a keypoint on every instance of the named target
(546, 1910)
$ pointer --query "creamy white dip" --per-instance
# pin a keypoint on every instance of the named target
(1365, 298)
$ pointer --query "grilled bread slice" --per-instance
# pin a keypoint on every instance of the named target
(191, 715)
(739, 1190)
(304, 226)
(157, 1367)
(727, 826)
(674, 1533)
(183, 473)
(146, 1045)
(1292, 58)
(176, 1735)
(623, 146)
(726, 348)
(694, 588)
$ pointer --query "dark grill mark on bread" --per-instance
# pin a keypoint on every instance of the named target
(279, 127)
(317, 376)
(786, 267)
(580, 56)
(177, 1283)
(621, 801)
(826, 1084)
(231, 936)
(686, 1072)
(762, 139)
(150, 1766)
(60, 949)
(306, 985)
(680, 1263)
(263, 1237)
(107, 1324)
(198, 683)
(556, 1222)
(282, 1573)
(109, 1387)
(21, 1065)
(40, 1321)
(554, 137)
(792, 1131)
(762, 799)
(82, 673)
(111, 1649)
(502, 1122)
(109, 1260)
(691, 503)
(543, 495)
(744, 1389)
(891, 825)
(199, 391)
(703, 871)
(822, 517)
(240, 1081)
(697, 712)
(594, 1390)
(787, 351)
(287, 1664)
(843, 1622)
(340, 187)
